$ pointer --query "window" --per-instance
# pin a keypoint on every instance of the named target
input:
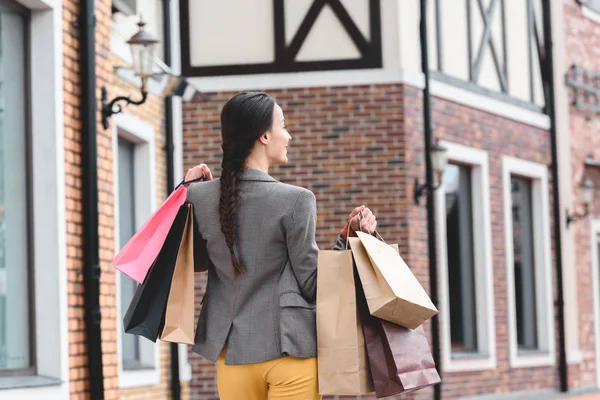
(459, 240)
(523, 258)
(139, 358)
(463, 207)
(15, 274)
(131, 354)
(528, 263)
(31, 43)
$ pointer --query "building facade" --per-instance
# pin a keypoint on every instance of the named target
(348, 76)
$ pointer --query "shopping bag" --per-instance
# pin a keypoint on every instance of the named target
(393, 292)
(140, 252)
(400, 358)
(145, 315)
(342, 360)
(179, 315)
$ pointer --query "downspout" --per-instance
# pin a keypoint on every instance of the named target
(431, 238)
(170, 148)
(548, 68)
(89, 182)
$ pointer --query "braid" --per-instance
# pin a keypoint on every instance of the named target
(231, 167)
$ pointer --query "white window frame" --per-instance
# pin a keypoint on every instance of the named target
(485, 359)
(538, 173)
(49, 213)
(595, 272)
(141, 134)
(590, 13)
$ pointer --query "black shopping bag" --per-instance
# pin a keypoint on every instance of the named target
(146, 313)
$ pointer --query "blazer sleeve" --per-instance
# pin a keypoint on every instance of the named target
(201, 259)
(340, 243)
(302, 245)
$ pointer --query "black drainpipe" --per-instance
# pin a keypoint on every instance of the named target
(175, 380)
(550, 108)
(431, 239)
(89, 182)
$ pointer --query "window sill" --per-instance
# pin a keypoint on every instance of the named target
(463, 362)
(532, 358)
(20, 382)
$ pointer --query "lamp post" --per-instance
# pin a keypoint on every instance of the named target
(586, 196)
(143, 50)
(439, 160)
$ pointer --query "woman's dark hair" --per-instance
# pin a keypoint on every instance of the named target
(245, 117)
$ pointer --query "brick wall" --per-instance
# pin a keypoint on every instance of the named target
(582, 41)
(151, 112)
(364, 145)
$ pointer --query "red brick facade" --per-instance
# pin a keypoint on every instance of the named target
(582, 36)
(352, 145)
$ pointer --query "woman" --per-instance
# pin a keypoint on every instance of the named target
(257, 242)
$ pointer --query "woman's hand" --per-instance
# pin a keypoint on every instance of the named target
(197, 172)
(360, 219)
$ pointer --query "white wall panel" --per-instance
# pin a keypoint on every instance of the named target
(231, 32)
(408, 24)
(431, 35)
(518, 50)
(359, 12)
(328, 40)
(455, 50)
(488, 77)
(295, 11)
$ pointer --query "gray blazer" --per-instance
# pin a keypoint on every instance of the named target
(270, 310)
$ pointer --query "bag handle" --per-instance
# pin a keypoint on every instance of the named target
(376, 233)
(360, 218)
(184, 182)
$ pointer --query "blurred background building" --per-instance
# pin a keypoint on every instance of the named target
(513, 88)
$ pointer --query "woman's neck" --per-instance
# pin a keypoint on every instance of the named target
(256, 163)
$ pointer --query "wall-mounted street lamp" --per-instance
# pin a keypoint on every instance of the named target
(586, 196)
(143, 49)
(439, 160)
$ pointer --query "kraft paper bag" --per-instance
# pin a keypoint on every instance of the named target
(145, 315)
(400, 358)
(392, 291)
(342, 359)
(179, 315)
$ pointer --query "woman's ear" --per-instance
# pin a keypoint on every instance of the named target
(264, 138)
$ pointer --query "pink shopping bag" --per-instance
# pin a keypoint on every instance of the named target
(138, 255)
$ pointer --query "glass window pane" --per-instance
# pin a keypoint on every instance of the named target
(14, 263)
(524, 268)
(130, 343)
(461, 273)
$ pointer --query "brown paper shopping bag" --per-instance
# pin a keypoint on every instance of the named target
(179, 314)
(393, 293)
(342, 357)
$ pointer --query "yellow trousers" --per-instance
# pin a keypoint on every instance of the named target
(288, 378)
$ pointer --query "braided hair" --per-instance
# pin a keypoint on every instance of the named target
(245, 117)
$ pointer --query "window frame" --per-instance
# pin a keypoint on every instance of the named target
(32, 369)
(485, 359)
(49, 208)
(538, 173)
(141, 134)
(595, 274)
